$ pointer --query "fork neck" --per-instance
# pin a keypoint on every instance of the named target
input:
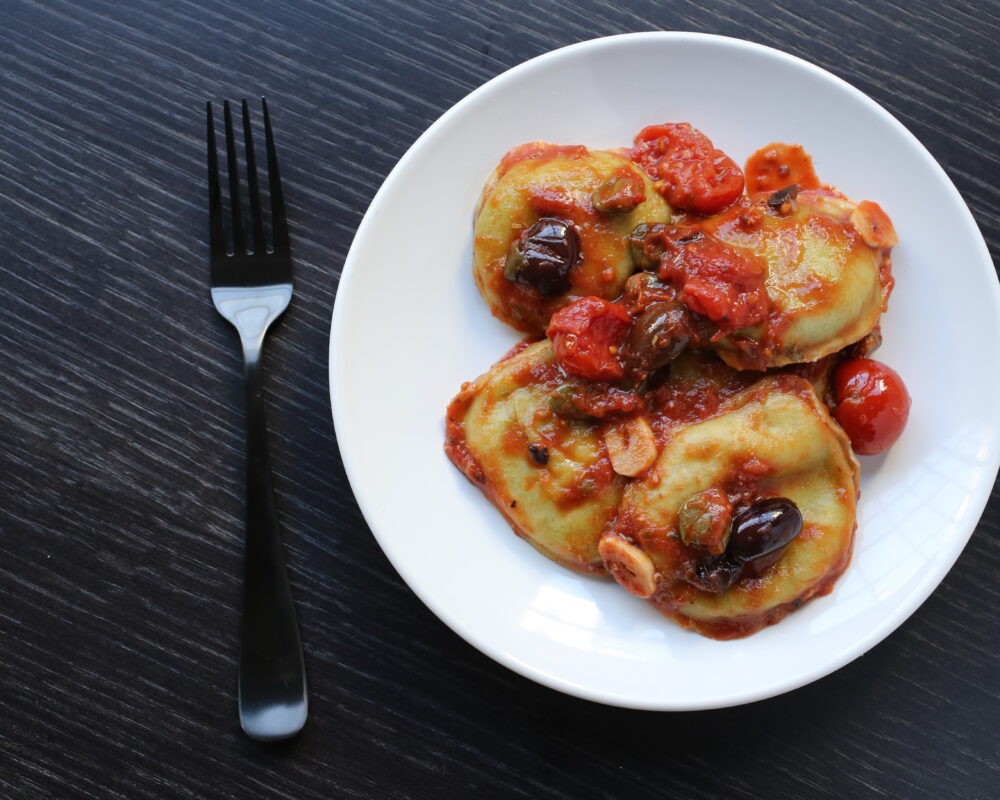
(252, 310)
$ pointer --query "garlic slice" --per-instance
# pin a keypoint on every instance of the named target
(629, 565)
(631, 446)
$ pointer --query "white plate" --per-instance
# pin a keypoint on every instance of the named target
(409, 327)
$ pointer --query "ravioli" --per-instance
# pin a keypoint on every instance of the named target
(827, 286)
(675, 432)
(774, 439)
(549, 476)
(540, 180)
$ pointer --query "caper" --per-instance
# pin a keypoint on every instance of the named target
(646, 249)
(656, 338)
(619, 194)
(703, 521)
(542, 256)
(763, 528)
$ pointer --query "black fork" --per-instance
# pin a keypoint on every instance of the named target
(251, 288)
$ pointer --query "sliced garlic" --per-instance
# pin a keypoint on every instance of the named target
(631, 446)
(629, 565)
(874, 225)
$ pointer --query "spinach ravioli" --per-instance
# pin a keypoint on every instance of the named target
(540, 181)
(549, 475)
(827, 286)
(774, 439)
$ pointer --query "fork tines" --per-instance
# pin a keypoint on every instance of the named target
(257, 246)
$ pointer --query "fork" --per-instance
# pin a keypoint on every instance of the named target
(251, 288)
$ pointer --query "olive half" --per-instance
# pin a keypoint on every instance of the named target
(765, 527)
(656, 338)
(542, 256)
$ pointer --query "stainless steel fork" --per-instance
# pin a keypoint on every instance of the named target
(251, 288)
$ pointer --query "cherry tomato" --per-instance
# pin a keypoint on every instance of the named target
(587, 337)
(690, 172)
(872, 404)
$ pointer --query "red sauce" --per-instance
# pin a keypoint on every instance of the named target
(455, 444)
(526, 342)
(718, 281)
(542, 151)
(603, 401)
(678, 402)
(779, 165)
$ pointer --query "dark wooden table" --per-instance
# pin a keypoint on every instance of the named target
(121, 436)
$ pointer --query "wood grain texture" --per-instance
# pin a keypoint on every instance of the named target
(121, 442)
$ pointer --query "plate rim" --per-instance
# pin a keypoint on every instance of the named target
(905, 608)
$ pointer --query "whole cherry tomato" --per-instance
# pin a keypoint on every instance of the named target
(587, 337)
(690, 172)
(872, 404)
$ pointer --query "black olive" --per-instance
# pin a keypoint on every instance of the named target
(763, 528)
(543, 255)
(646, 250)
(656, 338)
(539, 454)
(714, 575)
(776, 201)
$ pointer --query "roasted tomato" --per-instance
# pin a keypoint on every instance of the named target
(690, 172)
(718, 281)
(872, 404)
(587, 337)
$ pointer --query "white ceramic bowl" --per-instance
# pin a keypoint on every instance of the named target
(409, 327)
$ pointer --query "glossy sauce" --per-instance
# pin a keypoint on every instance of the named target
(779, 165)
(541, 151)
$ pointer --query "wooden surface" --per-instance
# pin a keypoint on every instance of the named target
(121, 436)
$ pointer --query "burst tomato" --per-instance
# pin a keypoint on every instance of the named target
(690, 172)
(587, 337)
(719, 282)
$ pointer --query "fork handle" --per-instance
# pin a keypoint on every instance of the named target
(272, 682)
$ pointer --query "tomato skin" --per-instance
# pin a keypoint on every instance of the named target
(872, 404)
(587, 336)
(690, 171)
(719, 282)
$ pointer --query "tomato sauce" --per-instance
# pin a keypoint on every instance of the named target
(718, 281)
(779, 165)
(541, 151)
